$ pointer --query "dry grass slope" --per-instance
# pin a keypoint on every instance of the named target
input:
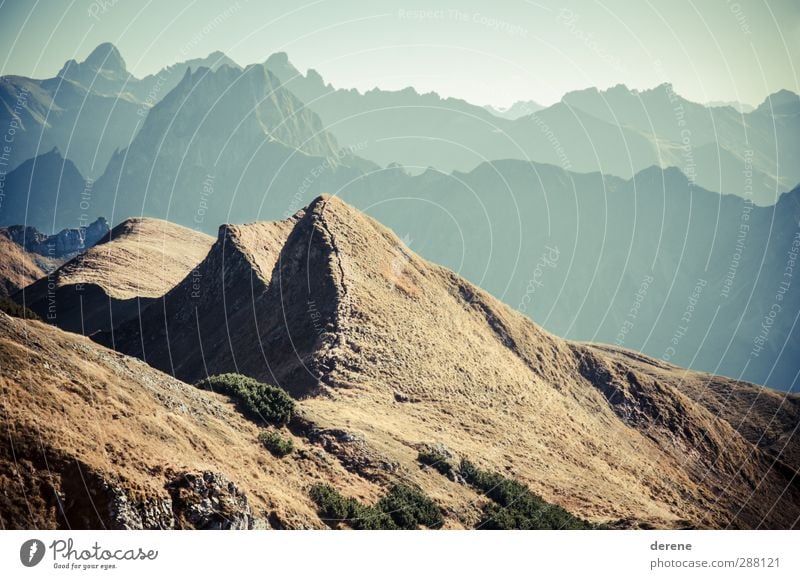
(95, 439)
(140, 260)
(17, 267)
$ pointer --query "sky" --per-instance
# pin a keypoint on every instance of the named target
(484, 52)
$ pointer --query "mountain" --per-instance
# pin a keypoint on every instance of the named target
(698, 139)
(63, 245)
(87, 126)
(48, 193)
(88, 110)
(397, 352)
(104, 71)
(138, 261)
(497, 224)
(618, 131)
(412, 129)
(223, 142)
(516, 110)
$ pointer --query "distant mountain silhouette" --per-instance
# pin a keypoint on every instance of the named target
(617, 131)
(224, 142)
(88, 110)
(737, 106)
(48, 193)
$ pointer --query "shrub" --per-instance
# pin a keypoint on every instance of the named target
(16, 310)
(410, 508)
(275, 443)
(331, 505)
(514, 505)
(335, 509)
(367, 518)
(402, 508)
(435, 459)
(253, 398)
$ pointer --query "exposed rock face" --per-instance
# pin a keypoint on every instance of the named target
(208, 500)
(388, 350)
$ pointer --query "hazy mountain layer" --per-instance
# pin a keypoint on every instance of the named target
(618, 131)
(89, 110)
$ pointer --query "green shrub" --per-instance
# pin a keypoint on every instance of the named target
(16, 310)
(335, 509)
(435, 459)
(410, 508)
(402, 508)
(275, 443)
(253, 398)
(367, 518)
(514, 505)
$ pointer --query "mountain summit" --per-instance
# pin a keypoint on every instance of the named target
(106, 57)
(104, 70)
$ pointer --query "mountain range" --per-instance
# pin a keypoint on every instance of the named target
(265, 301)
(88, 110)
(619, 131)
(626, 272)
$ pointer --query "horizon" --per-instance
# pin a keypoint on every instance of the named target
(430, 48)
(499, 108)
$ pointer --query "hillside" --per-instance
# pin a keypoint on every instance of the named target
(138, 261)
(17, 267)
(397, 352)
(98, 440)
(28, 254)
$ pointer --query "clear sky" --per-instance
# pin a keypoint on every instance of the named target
(485, 52)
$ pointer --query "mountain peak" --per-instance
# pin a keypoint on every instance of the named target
(780, 101)
(106, 57)
(280, 65)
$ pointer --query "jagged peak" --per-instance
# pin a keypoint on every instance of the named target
(106, 56)
(279, 62)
